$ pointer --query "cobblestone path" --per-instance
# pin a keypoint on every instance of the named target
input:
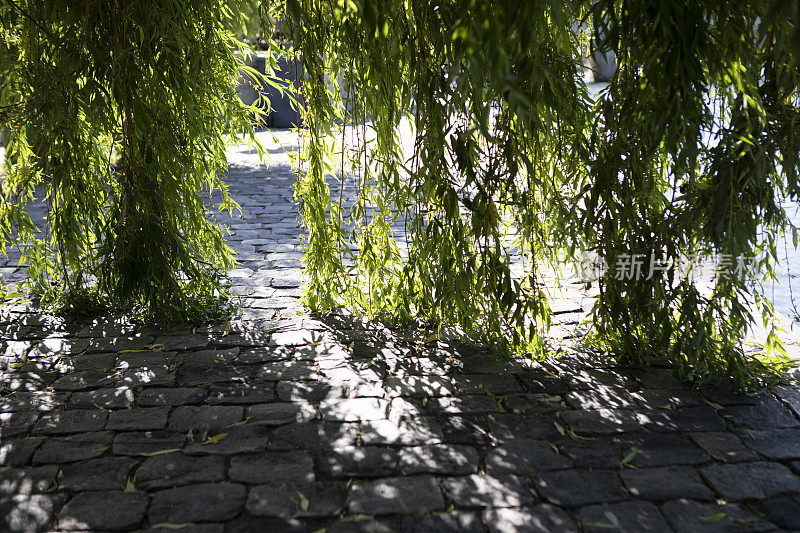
(288, 423)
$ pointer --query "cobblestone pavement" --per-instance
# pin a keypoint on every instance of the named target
(288, 423)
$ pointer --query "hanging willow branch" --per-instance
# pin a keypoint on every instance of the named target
(117, 112)
(690, 149)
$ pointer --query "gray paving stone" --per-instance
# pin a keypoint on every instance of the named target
(41, 401)
(293, 469)
(626, 517)
(465, 430)
(419, 386)
(315, 436)
(197, 503)
(455, 522)
(156, 397)
(248, 523)
(473, 404)
(240, 393)
(601, 397)
(589, 422)
(395, 495)
(509, 427)
(542, 382)
(779, 444)
(114, 398)
(18, 452)
(354, 409)
(487, 491)
(768, 415)
(194, 376)
(764, 480)
(107, 510)
(289, 391)
(723, 446)
(67, 422)
(438, 459)
(702, 418)
(138, 419)
(532, 404)
(27, 481)
(74, 448)
(783, 511)
(499, 384)
(288, 371)
(296, 338)
(541, 518)
(197, 528)
(148, 377)
(791, 396)
(205, 418)
(263, 354)
(266, 500)
(175, 469)
(667, 399)
(661, 450)
(88, 379)
(664, 484)
(595, 453)
(358, 461)
(29, 512)
(147, 442)
(105, 473)
(408, 432)
(524, 456)
(573, 488)
(277, 414)
(13, 424)
(687, 516)
(240, 439)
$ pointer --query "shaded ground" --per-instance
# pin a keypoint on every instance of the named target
(287, 423)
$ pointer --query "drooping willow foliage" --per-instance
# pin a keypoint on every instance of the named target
(117, 112)
(690, 150)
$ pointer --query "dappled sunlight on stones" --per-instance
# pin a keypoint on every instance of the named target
(412, 431)
(197, 503)
(175, 469)
(354, 409)
(30, 513)
(667, 483)
(488, 491)
(17, 452)
(524, 457)
(27, 481)
(275, 421)
(395, 495)
(748, 481)
(443, 523)
(103, 511)
(688, 516)
(541, 518)
(571, 488)
(626, 517)
(448, 459)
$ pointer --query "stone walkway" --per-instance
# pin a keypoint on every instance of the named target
(286, 423)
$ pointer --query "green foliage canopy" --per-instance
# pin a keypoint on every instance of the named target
(691, 149)
(117, 112)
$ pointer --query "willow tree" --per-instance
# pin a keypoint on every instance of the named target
(690, 150)
(117, 113)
